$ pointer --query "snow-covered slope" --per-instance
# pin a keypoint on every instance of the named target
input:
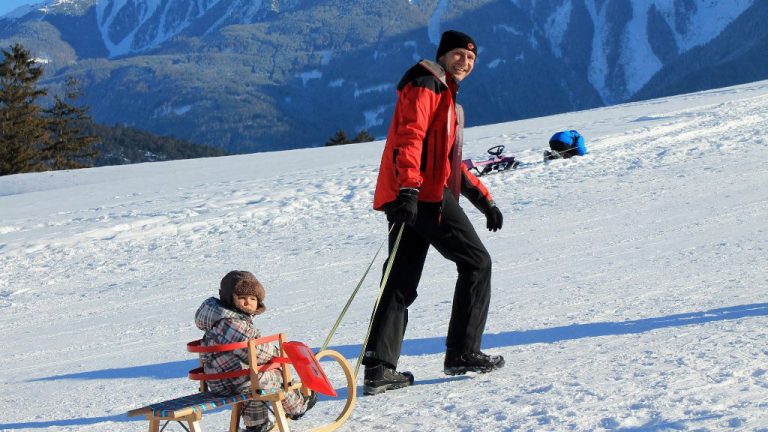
(629, 284)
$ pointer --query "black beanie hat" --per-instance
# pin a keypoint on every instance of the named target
(453, 39)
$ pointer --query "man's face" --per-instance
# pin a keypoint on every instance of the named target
(459, 63)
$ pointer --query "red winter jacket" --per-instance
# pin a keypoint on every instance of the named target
(419, 151)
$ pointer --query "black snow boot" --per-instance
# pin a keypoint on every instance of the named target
(260, 428)
(459, 364)
(311, 401)
(381, 378)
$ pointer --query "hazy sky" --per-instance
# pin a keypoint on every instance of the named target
(9, 5)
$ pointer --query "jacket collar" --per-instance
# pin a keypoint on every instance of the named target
(440, 74)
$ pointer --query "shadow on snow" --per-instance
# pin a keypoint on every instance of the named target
(415, 347)
(436, 345)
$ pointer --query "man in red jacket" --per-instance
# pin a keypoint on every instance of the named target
(420, 180)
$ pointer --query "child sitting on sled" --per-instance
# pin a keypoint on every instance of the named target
(229, 319)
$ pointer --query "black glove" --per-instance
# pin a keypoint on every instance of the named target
(494, 219)
(404, 208)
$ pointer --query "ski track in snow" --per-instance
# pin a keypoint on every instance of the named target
(629, 285)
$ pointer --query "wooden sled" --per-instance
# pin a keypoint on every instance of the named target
(190, 409)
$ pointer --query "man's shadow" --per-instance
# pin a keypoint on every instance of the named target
(436, 345)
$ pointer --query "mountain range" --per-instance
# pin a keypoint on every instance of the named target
(252, 76)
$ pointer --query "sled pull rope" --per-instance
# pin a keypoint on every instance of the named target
(352, 297)
(390, 261)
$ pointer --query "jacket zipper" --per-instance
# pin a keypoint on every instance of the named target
(434, 155)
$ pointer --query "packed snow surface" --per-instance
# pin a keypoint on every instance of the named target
(629, 285)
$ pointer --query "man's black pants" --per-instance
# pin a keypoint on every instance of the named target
(446, 227)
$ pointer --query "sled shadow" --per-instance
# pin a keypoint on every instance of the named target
(168, 370)
(83, 421)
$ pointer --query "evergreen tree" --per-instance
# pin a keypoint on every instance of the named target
(363, 136)
(339, 138)
(22, 128)
(70, 146)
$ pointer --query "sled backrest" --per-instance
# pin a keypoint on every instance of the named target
(198, 374)
(295, 353)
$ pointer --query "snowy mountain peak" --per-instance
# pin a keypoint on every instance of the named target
(133, 26)
(627, 37)
(66, 5)
(50, 6)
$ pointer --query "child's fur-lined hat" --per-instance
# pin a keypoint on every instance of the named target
(241, 283)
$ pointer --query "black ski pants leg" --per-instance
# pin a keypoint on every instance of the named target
(391, 318)
(446, 228)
